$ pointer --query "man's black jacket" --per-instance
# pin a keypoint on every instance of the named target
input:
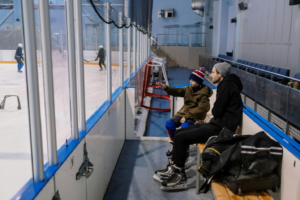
(228, 108)
(101, 53)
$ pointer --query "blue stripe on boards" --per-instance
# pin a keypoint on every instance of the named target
(273, 131)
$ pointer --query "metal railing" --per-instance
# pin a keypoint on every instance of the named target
(182, 39)
(159, 47)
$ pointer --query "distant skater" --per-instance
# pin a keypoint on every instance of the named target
(101, 55)
(19, 57)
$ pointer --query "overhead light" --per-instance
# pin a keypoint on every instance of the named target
(233, 20)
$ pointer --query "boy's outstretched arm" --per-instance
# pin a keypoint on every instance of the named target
(178, 92)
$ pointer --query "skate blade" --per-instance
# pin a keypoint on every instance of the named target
(176, 187)
(159, 179)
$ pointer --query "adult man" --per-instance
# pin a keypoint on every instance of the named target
(227, 112)
(196, 104)
(101, 55)
(19, 57)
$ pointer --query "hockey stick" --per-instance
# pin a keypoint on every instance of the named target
(88, 61)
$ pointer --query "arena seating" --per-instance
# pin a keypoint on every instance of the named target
(282, 71)
(224, 57)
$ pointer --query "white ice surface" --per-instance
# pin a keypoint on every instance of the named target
(15, 156)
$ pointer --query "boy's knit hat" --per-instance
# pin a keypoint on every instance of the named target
(197, 76)
(222, 68)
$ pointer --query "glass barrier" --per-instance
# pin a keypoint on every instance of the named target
(172, 40)
(186, 39)
(115, 58)
(183, 40)
(196, 40)
(125, 53)
(260, 89)
(15, 153)
(60, 74)
(93, 29)
(293, 107)
(249, 85)
(138, 82)
(276, 97)
(95, 77)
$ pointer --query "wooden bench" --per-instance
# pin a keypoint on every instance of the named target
(222, 192)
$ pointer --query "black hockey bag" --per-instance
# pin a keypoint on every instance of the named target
(244, 166)
(215, 146)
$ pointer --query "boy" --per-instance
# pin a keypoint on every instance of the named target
(101, 54)
(196, 104)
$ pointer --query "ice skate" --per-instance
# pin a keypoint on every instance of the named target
(163, 174)
(177, 181)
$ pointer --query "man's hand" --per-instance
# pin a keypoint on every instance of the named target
(182, 120)
(96, 59)
(161, 85)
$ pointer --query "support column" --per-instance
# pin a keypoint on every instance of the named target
(145, 47)
(138, 49)
(33, 91)
(149, 43)
(80, 64)
(72, 69)
(48, 82)
(141, 48)
(121, 51)
(129, 49)
(108, 52)
(134, 48)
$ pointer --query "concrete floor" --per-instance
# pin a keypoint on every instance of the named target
(15, 157)
(132, 178)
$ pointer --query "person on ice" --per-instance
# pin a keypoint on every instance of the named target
(101, 55)
(19, 57)
(227, 112)
(196, 104)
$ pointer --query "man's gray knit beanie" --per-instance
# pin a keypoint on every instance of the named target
(222, 68)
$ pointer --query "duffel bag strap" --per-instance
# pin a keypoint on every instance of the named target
(206, 185)
(204, 168)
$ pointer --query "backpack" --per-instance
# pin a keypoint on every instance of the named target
(242, 162)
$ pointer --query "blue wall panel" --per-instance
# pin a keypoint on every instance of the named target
(183, 14)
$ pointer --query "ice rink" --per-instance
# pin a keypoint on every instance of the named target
(14, 124)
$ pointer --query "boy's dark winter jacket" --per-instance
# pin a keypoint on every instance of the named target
(19, 52)
(228, 108)
(196, 104)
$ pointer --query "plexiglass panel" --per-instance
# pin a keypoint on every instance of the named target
(277, 97)
(15, 153)
(115, 58)
(294, 108)
(125, 53)
(95, 77)
(260, 90)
